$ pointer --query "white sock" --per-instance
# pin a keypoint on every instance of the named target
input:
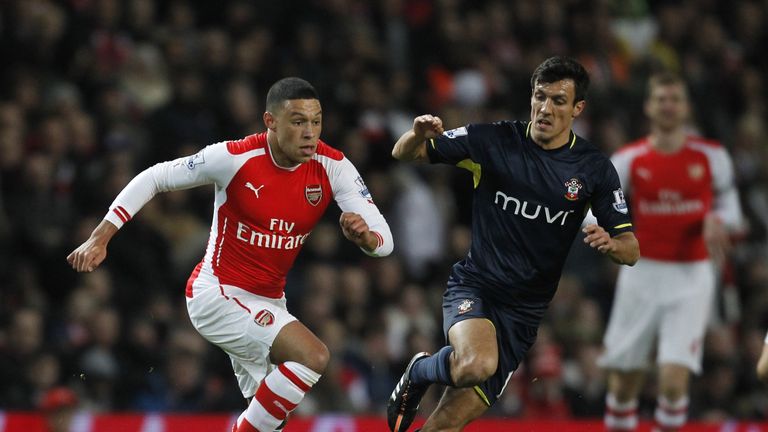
(671, 415)
(620, 416)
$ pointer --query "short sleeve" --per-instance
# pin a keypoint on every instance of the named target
(608, 203)
(453, 146)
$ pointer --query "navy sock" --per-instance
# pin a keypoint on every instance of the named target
(433, 369)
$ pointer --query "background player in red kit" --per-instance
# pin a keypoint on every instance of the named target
(270, 191)
(683, 201)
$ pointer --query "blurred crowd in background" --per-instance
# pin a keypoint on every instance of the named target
(94, 91)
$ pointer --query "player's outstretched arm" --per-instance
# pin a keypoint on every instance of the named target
(93, 251)
(412, 146)
(622, 249)
(182, 173)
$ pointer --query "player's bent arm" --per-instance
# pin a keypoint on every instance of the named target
(384, 242)
(410, 148)
(361, 221)
(372, 236)
(625, 250)
(622, 248)
(727, 208)
(166, 176)
(726, 203)
(412, 145)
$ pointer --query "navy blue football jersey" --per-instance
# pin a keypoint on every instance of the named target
(528, 206)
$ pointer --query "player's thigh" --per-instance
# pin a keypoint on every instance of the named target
(236, 320)
(467, 322)
(492, 333)
(633, 324)
(243, 325)
(684, 321)
(474, 338)
(456, 409)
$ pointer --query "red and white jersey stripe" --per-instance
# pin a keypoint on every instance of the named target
(671, 193)
(263, 213)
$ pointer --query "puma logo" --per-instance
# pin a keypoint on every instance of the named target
(254, 189)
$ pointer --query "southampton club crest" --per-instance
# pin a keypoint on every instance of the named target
(465, 306)
(313, 193)
(573, 187)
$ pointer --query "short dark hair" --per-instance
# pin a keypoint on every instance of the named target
(664, 78)
(288, 89)
(560, 68)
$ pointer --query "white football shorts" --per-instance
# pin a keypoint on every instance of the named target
(659, 300)
(243, 324)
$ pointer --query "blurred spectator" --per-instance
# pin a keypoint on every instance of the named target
(24, 338)
(59, 405)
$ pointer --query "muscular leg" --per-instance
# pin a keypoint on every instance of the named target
(295, 342)
(621, 400)
(672, 404)
(673, 381)
(475, 354)
(301, 358)
(456, 409)
(474, 359)
(625, 386)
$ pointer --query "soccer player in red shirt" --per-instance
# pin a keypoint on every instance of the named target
(270, 191)
(683, 201)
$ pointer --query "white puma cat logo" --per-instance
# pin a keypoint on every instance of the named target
(254, 189)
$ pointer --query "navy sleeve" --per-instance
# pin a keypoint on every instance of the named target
(608, 203)
(455, 146)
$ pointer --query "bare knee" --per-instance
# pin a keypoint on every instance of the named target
(625, 386)
(473, 369)
(317, 358)
(673, 382)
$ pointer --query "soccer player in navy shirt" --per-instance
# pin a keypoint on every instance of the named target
(533, 181)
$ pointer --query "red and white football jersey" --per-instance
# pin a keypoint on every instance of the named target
(263, 213)
(671, 193)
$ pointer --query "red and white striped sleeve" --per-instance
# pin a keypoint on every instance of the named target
(205, 167)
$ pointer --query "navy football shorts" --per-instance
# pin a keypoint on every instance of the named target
(513, 337)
